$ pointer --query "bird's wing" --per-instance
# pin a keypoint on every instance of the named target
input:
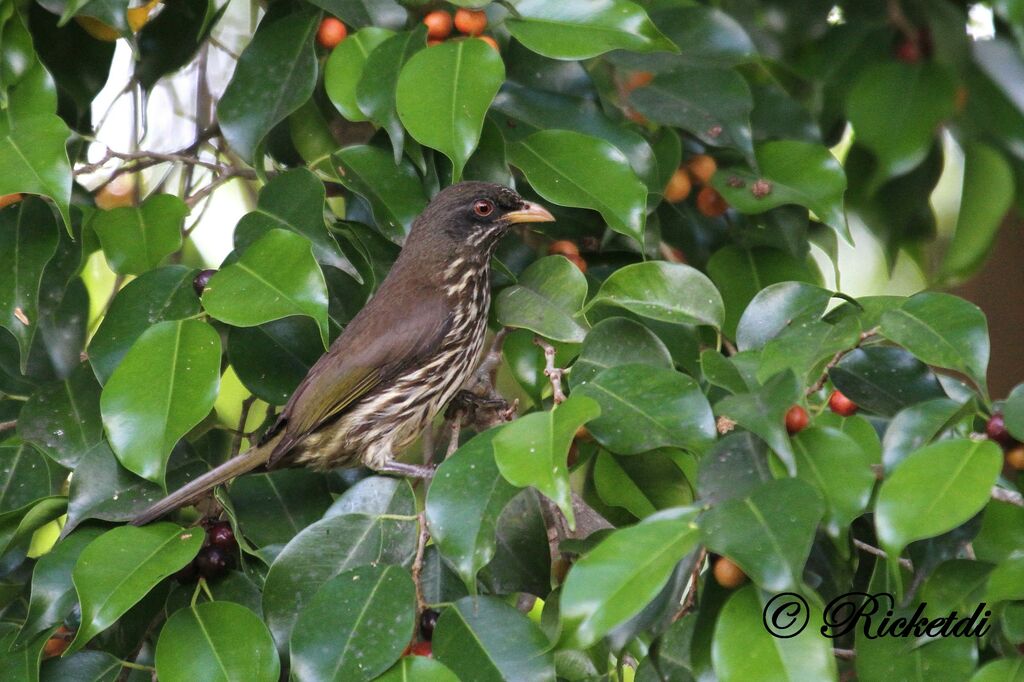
(366, 356)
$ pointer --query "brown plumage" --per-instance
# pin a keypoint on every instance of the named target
(401, 358)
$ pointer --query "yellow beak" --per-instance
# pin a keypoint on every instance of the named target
(532, 213)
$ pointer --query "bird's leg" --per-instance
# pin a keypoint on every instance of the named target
(406, 470)
(480, 411)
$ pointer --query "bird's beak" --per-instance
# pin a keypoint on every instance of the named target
(530, 213)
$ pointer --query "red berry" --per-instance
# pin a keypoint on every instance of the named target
(796, 419)
(841, 405)
(422, 649)
(439, 24)
(330, 33)
(996, 430)
(908, 51)
(220, 534)
(428, 619)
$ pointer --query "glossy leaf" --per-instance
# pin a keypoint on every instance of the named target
(762, 412)
(796, 173)
(275, 75)
(775, 308)
(884, 379)
(85, 666)
(216, 641)
(33, 159)
(443, 96)
(26, 476)
(616, 579)
(547, 300)
(62, 419)
(377, 88)
(165, 385)
(576, 29)
(356, 625)
(934, 490)
(644, 407)
(482, 638)
(273, 358)
(276, 277)
(767, 533)
(418, 669)
(573, 169)
(836, 465)
(364, 13)
(274, 507)
(668, 292)
(136, 238)
(344, 68)
(914, 427)
(121, 566)
(617, 341)
(942, 330)
(394, 192)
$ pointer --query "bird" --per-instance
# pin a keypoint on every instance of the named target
(400, 359)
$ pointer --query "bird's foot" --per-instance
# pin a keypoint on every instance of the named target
(481, 411)
(407, 470)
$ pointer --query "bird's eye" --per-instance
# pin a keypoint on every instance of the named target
(483, 208)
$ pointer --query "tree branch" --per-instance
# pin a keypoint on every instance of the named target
(1008, 496)
(8, 425)
(836, 358)
(871, 549)
(554, 374)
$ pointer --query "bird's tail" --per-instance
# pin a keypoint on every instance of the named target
(236, 466)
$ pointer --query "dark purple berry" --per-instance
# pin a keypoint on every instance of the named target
(201, 280)
(996, 430)
(428, 619)
(188, 574)
(220, 534)
(212, 562)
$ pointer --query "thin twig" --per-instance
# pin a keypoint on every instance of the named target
(454, 428)
(417, 563)
(844, 654)
(880, 553)
(814, 388)
(1008, 496)
(236, 440)
(5, 426)
(691, 585)
(897, 18)
(554, 374)
(210, 188)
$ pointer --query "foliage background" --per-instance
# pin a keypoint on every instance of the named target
(232, 140)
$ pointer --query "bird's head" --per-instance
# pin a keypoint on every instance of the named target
(475, 215)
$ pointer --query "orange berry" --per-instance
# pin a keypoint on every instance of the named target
(564, 247)
(58, 643)
(841, 405)
(727, 574)
(710, 202)
(431, 42)
(637, 79)
(120, 192)
(960, 99)
(439, 24)
(702, 167)
(578, 261)
(1015, 457)
(678, 187)
(796, 419)
(490, 41)
(8, 199)
(330, 33)
(471, 22)
(636, 117)
(583, 433)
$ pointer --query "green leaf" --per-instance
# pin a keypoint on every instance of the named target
(26, 476)
(329, 547)
(895, 109)
(121, 566)
(713, 104)
(668, 292)
(532, 450)
(934, 490)
(546, 300)
(611, 583)
(28, 240)
(62, 419)
(763, 412)
(53, 595)
(836, 465)
(914, 427)
(741, 273)
(742, 649)
(578, 29)
(364, 13)
(643, 484)
(884, 380)
(522, 561)
(394, 192)
(85, 666)
(768, 533)
(169, 41)
(356, 625)
(443, 96)
(796, 173)
(377, 88)
(573, 169)
(293, 200)
(272, 508)
(216, 641)
(464, 501)
(705, 36)
(156, 296)
(806, 347)
(987, 195)
(165, 385)
(344, 68)
(1006, 581)
(418, 668)
(136, 238)
(484, 639)
(644, 407)
(33, 159)
(275, 75)
(617, 341)
(276, 277)
(1000, 670)
(1013, 412)
(273, 358)
(734, 468)
(777, 307)
(942, 330)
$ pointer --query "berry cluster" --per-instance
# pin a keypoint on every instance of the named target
(697, 171)
(217, 557)
(1012, 448)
